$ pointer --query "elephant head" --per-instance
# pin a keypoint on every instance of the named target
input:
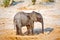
(37, 17)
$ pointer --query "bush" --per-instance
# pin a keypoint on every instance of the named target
(33, 2)
(51, 0)
(6, 3)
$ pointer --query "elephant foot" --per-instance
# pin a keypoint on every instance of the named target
(20, 34)
(32, 33)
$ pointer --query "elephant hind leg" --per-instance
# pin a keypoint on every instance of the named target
(18, 30)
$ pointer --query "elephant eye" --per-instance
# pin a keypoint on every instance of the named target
(38, 18)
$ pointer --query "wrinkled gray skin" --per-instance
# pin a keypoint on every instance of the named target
(27, 19)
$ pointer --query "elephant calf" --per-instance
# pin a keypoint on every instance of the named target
(27, 19)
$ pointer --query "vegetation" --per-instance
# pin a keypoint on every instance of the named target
(51, 0)
(33, 2)
(6, 3)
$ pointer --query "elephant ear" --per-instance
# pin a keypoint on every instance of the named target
(32, 16)
(28, 16)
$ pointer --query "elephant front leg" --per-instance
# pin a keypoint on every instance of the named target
(28, 29)
(32, 29)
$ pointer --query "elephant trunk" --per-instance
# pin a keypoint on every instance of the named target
(42, 26)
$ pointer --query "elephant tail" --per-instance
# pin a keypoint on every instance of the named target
(14, 23)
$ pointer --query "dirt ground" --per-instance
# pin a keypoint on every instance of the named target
(10, 35)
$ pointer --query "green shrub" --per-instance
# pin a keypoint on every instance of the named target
(51, 0)
(33, 2)
(6, 3)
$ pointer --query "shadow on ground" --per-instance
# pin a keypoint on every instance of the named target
(38, 31)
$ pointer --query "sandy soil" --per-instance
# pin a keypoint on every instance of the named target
(54, 35)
